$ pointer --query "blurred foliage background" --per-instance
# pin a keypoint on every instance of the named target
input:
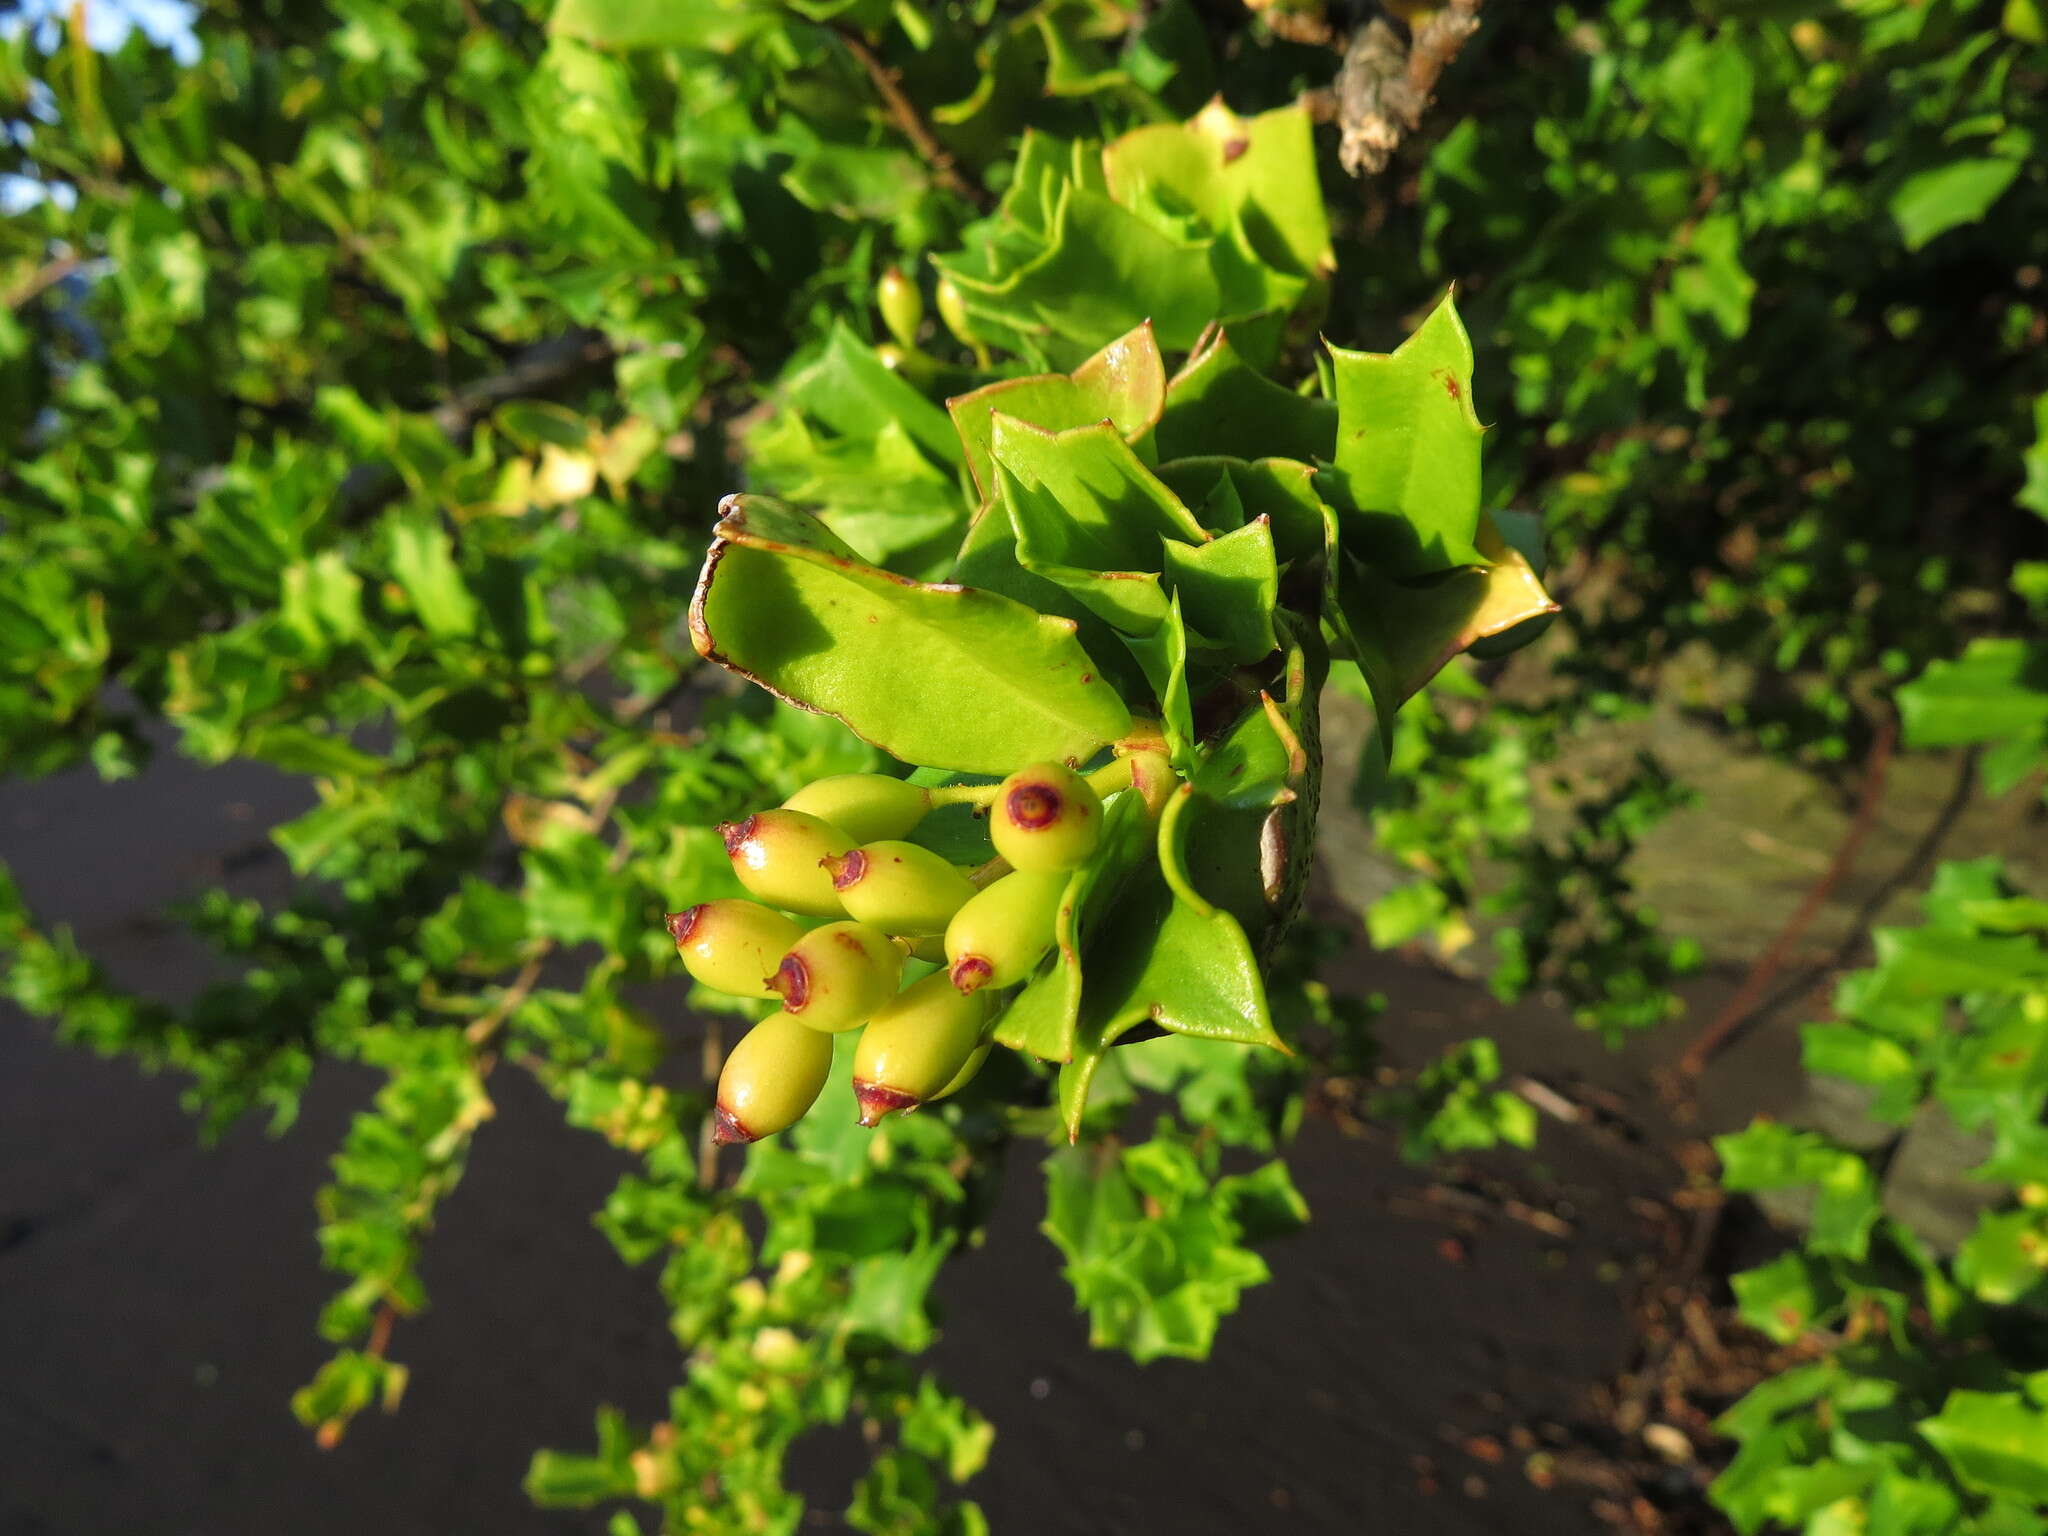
(371, 371)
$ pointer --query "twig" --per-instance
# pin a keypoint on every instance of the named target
(1743, 1005)
(1385, 86)
(510, 999)
(48, 275)
(945, 171)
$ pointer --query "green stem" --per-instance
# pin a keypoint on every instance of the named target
(981, 795)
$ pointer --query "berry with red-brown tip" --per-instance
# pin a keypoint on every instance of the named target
(732, 944)
(835, 977)
(999, 937)
(771, 1078)
(899, 887)
(916, 1045)
(1045, 817)
(780, 857)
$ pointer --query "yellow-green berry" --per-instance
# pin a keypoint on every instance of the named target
(999, 937)
(867, 807)
(837, 976)
(733, 945)
(900, 887)
(780, 856)
(953, 311)
(915, 1046)
(901, 304)
(1045, 816)
(771, 1078)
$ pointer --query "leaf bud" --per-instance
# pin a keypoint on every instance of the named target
(915, 1046)
(732, 944)
(780, 857)
(899, 887)
(902, 306)
(999, 937)
(772, 1076)
(837, 976)
(867, 807)
(1045, 817)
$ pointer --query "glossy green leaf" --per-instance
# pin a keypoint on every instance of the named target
(945, 676)
(1997, 689)
(1042, 1018)
(1930, 203)
(1219, 405)
(1123, 384)
(1996, 1442)
(714, 25)
(1259, 172)
(1227, 589)
(1405, 477)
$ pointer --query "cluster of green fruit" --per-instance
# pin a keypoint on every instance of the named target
(838, 850)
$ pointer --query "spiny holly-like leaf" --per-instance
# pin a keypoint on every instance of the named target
(1123, 384)
(1405, 478)
(1405, 632)
(941, 675)
(1228, 588)
(1227, 493)
(1219, 405)
(1166, 962)
(1258, 172)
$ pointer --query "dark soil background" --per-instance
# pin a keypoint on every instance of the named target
(1430, 1333)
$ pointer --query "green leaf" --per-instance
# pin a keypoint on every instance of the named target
(1405, 477)
(1997, 689)
(423, 561)
(1259, 172)
(1786, 1297)
(1124, 384)
(1158, 959)
(1996, 1443)
(945, 676)
(1042, 1018)
(2006, 1258)
(712, 25)
(1932, 202)
(1227, 590)
(1405, 632)
(1219, 405)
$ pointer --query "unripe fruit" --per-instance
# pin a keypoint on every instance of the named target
(771, 1078)
(780, 856)
(1045, 817)
(837, 976)
(867, 807)
(901, 304)
(732, 944)
(953, 311)
(998, 938)
(915, 1046)
(899, 887)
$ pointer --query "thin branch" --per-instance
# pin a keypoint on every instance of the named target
(48, 275)
(945, 171)
(1743, 1005)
